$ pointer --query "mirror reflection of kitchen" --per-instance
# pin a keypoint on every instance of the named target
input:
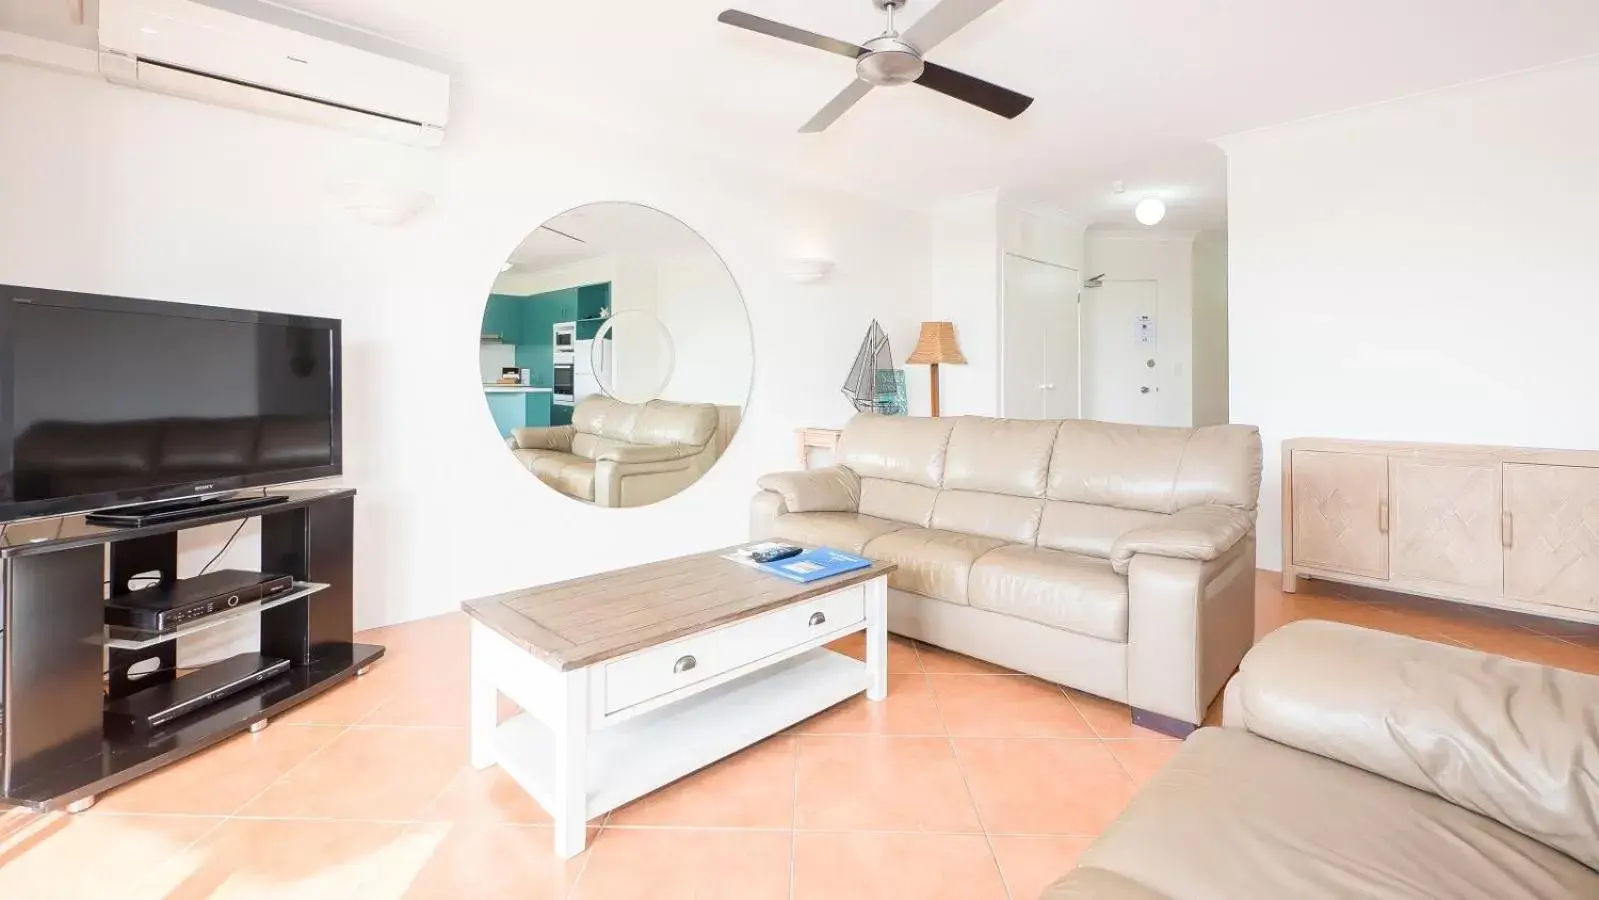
(615, 354)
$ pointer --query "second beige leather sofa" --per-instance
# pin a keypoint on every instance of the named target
(1356, 763)
(1115, 559)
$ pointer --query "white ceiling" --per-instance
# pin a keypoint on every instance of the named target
(1126, 89)
(604, 229)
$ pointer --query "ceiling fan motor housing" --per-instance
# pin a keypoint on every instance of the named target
(889, 61)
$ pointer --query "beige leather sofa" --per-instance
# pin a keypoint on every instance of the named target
(1115, 559)
(625, 454)
(1356, 763)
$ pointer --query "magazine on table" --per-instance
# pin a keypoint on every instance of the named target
(803, 567)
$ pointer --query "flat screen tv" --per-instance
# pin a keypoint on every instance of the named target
(109, 400)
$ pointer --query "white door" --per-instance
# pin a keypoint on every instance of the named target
(1038, 376)
(1121, 370)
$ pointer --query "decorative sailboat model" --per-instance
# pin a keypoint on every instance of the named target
(874, 385)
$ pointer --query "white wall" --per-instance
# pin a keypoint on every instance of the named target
(1168, 260)
(1420, 270)
(1210, 329)
(111, 190)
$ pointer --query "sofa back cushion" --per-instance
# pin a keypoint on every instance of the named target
(1012, 519)
(1514, 741)
(1088, 529)
(897, 501)
(900, 461)
(896, 448)
(999, 456)
(1160, 470)
(601, 423)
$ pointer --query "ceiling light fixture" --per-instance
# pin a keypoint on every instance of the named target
(1150, 210)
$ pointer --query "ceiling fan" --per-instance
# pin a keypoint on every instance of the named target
(892, 59)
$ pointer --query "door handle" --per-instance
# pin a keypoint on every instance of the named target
(818, 618)
(683, 664)
(1507, 529)
(1382, 517)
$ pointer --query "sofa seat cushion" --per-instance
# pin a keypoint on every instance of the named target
(932, 563)
(570, 474)
(1234, 815)
(1061, 590)
(839, 530)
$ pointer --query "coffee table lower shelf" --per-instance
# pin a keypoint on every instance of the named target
(642, 754)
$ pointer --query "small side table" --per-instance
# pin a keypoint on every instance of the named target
(809, 439)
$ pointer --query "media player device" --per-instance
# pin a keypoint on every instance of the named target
(166, 606)
(159, 704)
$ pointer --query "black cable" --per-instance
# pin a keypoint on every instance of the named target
(207, 567)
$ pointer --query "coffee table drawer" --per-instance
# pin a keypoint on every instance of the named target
(673, 666)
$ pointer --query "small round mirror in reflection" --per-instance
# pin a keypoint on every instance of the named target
(643, 346)
(615, 355)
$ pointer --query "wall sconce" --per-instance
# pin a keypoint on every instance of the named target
(380, 204)
(807, 271)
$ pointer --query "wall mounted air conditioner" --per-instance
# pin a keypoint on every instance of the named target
(267, 58)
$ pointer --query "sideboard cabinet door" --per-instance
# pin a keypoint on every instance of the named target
(1446, 522)
(1552, 534)
(1340, 509)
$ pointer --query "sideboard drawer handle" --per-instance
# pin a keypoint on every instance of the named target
(683, 664)
(818, 619)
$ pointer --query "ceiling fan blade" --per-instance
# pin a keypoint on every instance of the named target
(836, 107)
(788, 33)
(997, 100)
(943, 20)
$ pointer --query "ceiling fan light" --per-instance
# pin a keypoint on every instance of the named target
(889, 61)
(1150, 210)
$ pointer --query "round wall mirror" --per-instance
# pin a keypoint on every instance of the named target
(615, 355)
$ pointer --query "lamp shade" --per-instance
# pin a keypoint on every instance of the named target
(936, 345)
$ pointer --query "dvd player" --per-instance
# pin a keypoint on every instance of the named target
(159, 704)
(167, 606)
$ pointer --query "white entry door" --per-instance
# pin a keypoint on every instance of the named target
(1122, 368)
(1038, 377)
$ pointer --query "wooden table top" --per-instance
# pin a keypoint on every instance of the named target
(577, 623)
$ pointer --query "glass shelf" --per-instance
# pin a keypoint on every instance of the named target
(123, 638)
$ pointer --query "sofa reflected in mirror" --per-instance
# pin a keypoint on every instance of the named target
(626, 454)
(615, 355)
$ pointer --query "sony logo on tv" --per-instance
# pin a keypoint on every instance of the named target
(204, 487)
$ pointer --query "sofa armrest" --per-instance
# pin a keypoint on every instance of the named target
(1198, 532)
(558, 437)
(642, 483)
(829, 489)
(646, 453)
(1515, 741)
(766, 507)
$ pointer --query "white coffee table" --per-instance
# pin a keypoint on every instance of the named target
(632, 679)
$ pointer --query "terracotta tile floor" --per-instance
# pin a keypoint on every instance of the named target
(969, 782)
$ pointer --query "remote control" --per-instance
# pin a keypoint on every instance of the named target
(775, 554)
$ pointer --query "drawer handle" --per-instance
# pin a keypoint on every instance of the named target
(683, 664)
(818, 618)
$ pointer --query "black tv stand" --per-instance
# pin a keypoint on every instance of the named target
(178, 510)
(63, 668)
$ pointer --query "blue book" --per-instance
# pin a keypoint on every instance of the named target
(823, 562)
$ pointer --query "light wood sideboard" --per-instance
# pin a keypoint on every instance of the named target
(1493, 526)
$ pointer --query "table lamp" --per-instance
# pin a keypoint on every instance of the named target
(934, 346)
